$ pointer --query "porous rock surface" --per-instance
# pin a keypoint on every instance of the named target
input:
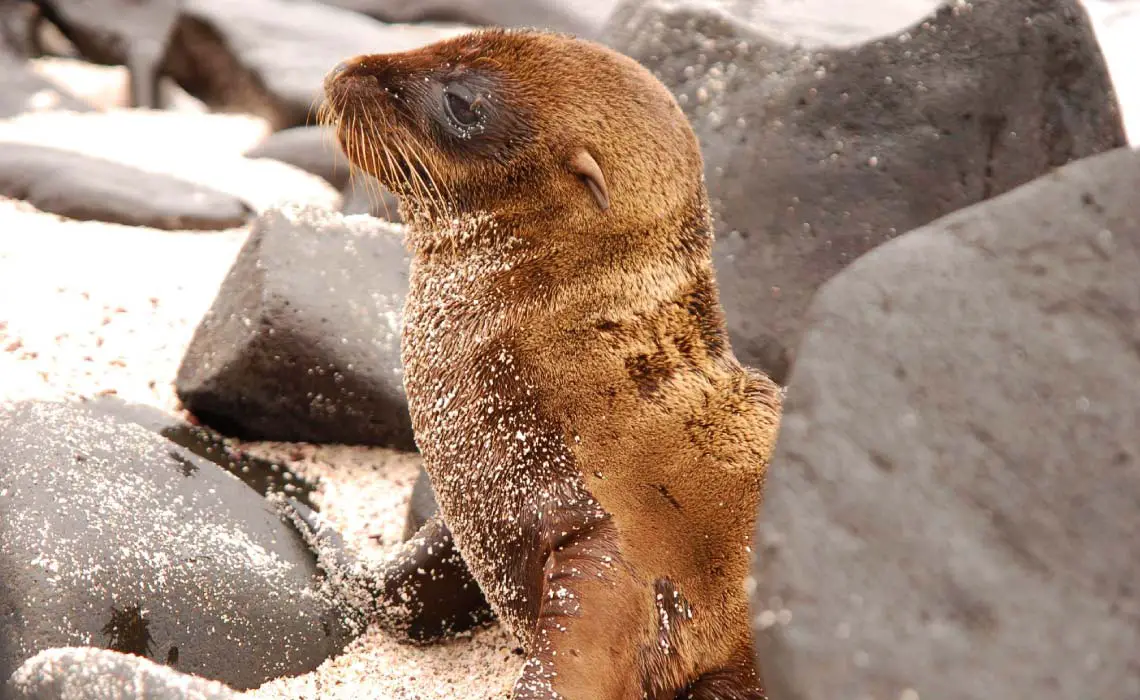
(954, 499)
(815, 156)
(112, 536)
(268, 477)
(86, 673)
(302, 343)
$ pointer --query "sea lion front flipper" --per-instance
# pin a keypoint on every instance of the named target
(423, 593)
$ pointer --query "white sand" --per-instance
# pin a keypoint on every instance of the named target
(89, 308)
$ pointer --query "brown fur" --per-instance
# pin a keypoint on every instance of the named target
(597, 450)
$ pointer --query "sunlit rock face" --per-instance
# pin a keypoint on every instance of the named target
(814, 156)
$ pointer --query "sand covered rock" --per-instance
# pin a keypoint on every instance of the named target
(814, 157)
(112, 536)
(203, 149)
(269, 57)
(952, 508)
(265, 476)
(85, 188)
(85, 673)
(302, 343)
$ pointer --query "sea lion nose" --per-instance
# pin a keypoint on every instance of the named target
(346, 68)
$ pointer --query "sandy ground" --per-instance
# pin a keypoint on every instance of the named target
(89, 308)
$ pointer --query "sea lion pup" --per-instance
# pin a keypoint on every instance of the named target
(597, 451)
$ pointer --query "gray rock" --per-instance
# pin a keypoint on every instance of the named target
(302, 343)
(954, 501)
(113, 536)
(814, 157)
(422, 505)
(584, 18)
(22, 90)
(18, 21)
(120, 32)
(266, 477)
(85, 673)
(365, 195)
(269, 57)
(314, 149)
(87, 188)
(311, 148)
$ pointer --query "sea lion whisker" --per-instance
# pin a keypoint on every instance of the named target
(364, 150)
(431, 185)
(422, 196)
(444, 195)
(374, 159)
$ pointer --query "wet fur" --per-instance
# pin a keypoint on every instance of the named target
(597, 451)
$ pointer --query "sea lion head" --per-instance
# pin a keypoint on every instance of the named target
(518, 123)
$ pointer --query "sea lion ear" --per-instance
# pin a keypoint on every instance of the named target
(584, 166)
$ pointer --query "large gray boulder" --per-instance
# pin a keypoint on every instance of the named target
(813, 157)
(87, 188)
(953, 507)
(302, 343)
(113, 536)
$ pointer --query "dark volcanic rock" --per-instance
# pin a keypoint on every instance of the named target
(311, 148)
(113, 536)
(268, 57)
(954, 501)
(92, 189)
(421, 506)
(120, 32)
(815, 157)
(18, 20)
(84, 673)
(302, 343)
(421, 593)
(262, 475)
(584, 18)
(22, 90)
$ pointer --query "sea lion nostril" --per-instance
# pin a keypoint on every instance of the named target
(340, 68)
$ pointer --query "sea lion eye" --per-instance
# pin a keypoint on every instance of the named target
(462, 107)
